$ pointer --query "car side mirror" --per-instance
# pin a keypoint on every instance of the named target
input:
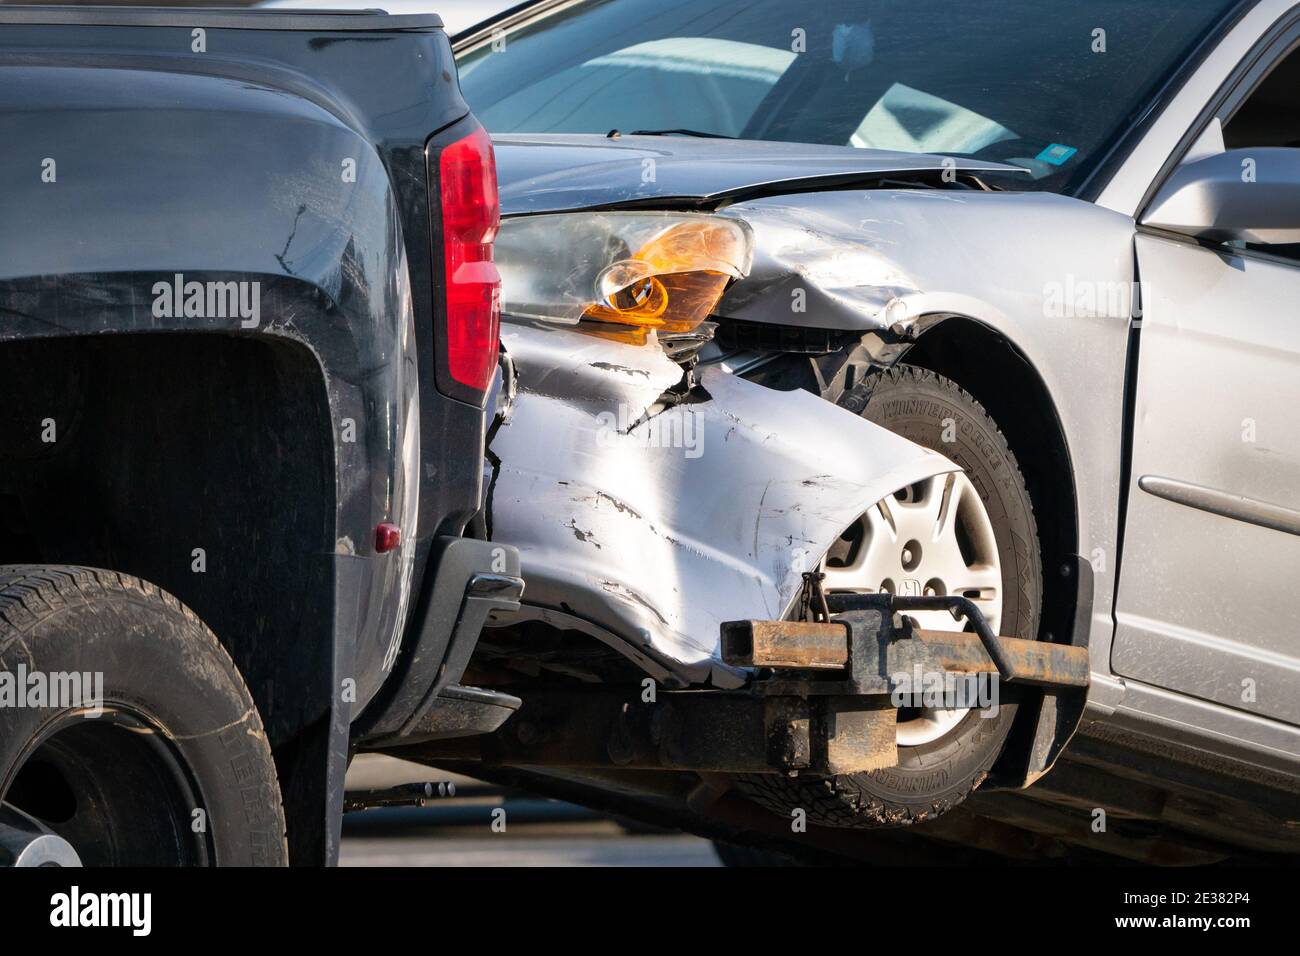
(1251, 195)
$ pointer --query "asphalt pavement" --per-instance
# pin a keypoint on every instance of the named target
(470, 823)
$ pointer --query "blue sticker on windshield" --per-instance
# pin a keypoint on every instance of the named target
(1056, 154)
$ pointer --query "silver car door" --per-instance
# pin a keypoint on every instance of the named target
(1208, 603)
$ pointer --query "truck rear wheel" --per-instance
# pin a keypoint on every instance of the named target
(127, 732)
(993, 559)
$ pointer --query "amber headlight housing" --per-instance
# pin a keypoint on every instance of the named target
(620, 274)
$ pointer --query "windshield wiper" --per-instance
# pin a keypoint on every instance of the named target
(679, 132)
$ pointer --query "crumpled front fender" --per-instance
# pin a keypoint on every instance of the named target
(655, 525)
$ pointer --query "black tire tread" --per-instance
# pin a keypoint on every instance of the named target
(31, 594)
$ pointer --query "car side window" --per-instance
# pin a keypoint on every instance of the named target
(1270, 117)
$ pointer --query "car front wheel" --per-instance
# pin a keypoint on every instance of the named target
(972, 534)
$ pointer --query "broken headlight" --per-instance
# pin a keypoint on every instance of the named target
(620, 275)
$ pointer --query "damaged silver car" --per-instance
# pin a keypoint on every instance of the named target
(850, 340)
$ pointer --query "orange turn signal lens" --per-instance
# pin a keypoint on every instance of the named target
(675, 280)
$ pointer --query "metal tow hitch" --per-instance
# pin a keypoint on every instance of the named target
(820, 699)
(828, 683)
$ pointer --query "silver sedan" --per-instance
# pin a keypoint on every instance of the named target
(1056, 244)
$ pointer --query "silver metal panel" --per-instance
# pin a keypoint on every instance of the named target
(659, 530)
(1185, 722)
(1206, 599)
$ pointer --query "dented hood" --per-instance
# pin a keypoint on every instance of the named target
(654, 526)
(559, 172)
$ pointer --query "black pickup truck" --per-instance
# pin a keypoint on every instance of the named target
(248, 332)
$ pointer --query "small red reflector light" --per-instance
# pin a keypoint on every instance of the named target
(471, 215)
(387, 537)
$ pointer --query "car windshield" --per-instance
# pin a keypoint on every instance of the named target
(1048, 85)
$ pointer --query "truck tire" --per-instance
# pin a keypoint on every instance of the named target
(175, 770)
(936, 775)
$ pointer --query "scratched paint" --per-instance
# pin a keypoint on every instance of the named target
(655, 547)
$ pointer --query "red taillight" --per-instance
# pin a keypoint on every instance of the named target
(470, 217)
